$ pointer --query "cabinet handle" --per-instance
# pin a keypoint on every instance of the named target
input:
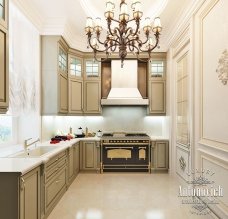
(22, 184)
(57, 181)
(56, 159)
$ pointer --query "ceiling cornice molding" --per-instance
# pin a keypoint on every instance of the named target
(183, 22)
(28, 11)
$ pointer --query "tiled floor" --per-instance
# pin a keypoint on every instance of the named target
(123, 196)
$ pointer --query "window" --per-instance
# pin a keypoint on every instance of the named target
(62, 60)
(157, 69)
(6, 129)
(2, 10)
(76, 67)
(92, 69)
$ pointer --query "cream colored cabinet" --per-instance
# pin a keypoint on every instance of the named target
(54, 75)
(157, 97)
(30, 195)
(90, 154)
(157, 85)
(4, 57)
(4, 13)
(55, 181)
(76, 151)
(92, 87)
(75, 85)
(92, 97)
(20, 195)
(160, 155)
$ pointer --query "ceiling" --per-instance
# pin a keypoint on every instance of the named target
(68, 17)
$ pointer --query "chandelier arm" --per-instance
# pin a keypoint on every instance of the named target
(137, 29)
(114, 47)
(95, 57)
(94, 49)
(131, 48)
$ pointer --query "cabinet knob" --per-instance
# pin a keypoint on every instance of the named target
(22, 184)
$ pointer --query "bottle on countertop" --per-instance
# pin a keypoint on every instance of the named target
(86, 132)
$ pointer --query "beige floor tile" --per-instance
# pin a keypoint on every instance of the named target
(123, 196)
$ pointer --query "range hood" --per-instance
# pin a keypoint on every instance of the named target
(124, 90)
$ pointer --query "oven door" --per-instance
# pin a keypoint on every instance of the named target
(125, 155)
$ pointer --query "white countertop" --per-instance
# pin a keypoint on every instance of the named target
(24, 165)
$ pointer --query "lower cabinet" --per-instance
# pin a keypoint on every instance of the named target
(73, 162)
(159, 155)
(20, 195)
(55, 181)
(90, 154)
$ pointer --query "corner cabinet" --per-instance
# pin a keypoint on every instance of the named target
(4, 57)
(92, 87)
(21, 193)
(90, 156)
(73, 162)
(54, 75)
(157, 86)
(159, 155)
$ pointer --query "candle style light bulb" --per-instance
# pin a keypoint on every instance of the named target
(89, 25)
(157, 25)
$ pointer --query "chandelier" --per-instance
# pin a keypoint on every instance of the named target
(123, 36)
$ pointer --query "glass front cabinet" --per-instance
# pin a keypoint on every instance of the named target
(157, 85)
(75, 83)
(92, 87)
(4, 13)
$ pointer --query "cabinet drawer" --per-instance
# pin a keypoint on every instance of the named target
(53, 169)
(53, 161)
(55, 186)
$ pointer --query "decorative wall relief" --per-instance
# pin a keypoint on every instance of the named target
(222, 69)
(182, 163)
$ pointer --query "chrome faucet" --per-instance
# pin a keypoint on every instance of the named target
(26, 145)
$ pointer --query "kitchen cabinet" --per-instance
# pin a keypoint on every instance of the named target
(54, 75)
(75, 86)
(4, 57)
(55, 181)
(4, 13)
(92, 97)
(21, 193)
(92, 87)
(157, 85)
(73, 162)
(90, 155)
(159, 155)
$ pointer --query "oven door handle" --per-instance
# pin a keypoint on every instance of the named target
(119, 148)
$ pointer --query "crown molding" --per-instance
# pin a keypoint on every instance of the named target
(29, 12)
(183, 22)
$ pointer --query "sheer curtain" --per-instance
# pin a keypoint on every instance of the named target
(24, 75)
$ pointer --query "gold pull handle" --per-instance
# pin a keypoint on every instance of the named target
(57, 181)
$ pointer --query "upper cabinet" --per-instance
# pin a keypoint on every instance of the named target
(92, 70)
(54, 75)
(4, 57)
(75, 84)
(157, 85)
(92, 87)
(4, 13)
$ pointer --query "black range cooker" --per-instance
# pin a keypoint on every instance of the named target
(125, 152)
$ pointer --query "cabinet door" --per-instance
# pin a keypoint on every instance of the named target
(4, 13)
(162, 155)
(76, 159)
(63, 93)
(4, 70)
(75, 96)
(92, 97)
(30, 195)
(90, 156)
(71, 164)
(157, 97)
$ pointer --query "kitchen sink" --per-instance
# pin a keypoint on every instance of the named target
(35, 152)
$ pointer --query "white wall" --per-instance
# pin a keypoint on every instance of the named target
(204, 36)
(112, 119)
(24, 47)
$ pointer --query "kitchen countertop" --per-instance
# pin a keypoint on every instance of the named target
(24, 165)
